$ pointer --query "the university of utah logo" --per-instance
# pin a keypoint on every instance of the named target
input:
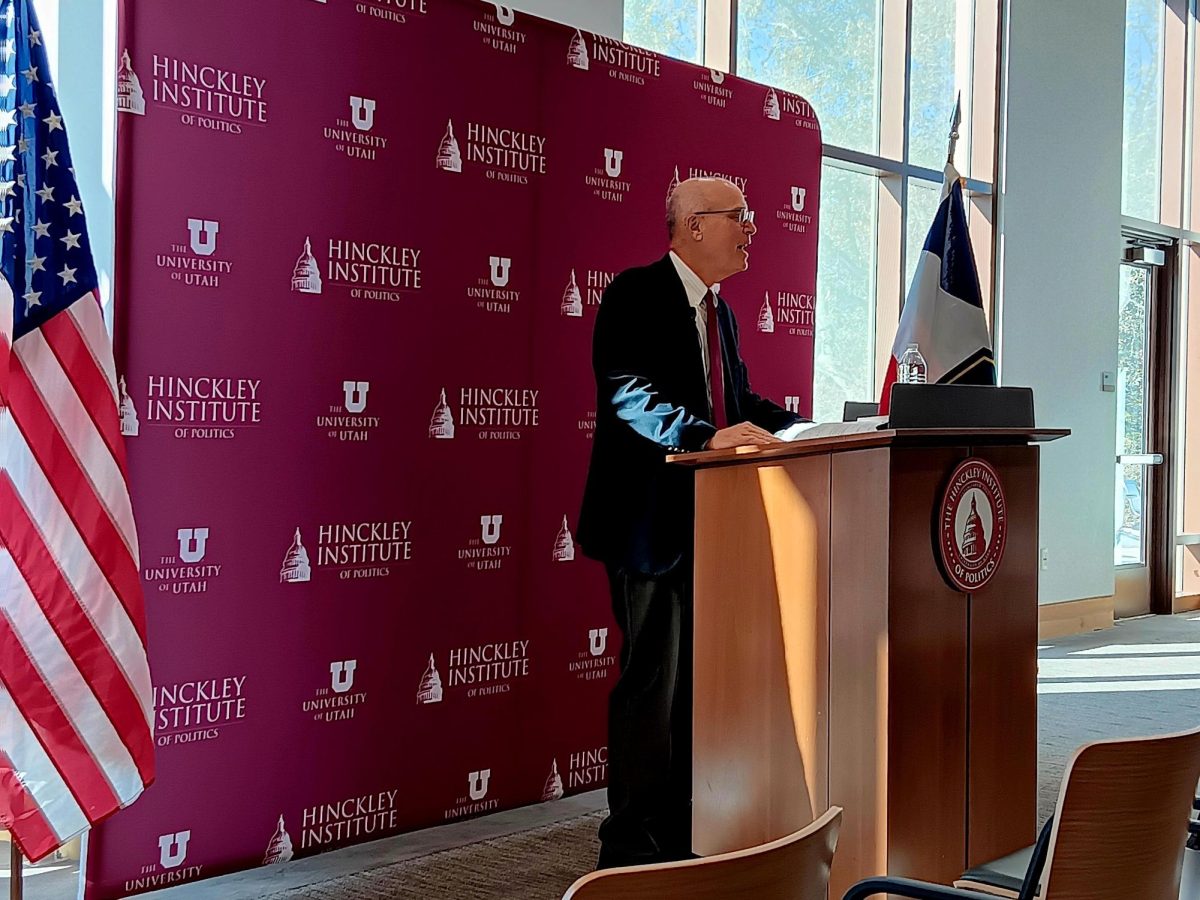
(792, 403)
(612, 162)
(362, 113)
(500, 266)
(478, 783)
(341, 675)
(798, 198)
(172, 848)
(972, 525)
(597, 641)
(356, 395)
(489, 528)
(192, 542)
(203, 234)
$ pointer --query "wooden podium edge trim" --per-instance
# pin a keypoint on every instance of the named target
(1056, 620)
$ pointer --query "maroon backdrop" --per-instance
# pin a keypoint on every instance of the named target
(330, 216)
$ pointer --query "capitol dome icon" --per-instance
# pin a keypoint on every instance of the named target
(430, 689)
(564, 544)
(674, 184)
(441, 425)
(129, 416)
(577, 53)
(306, 276)
(771, 105)
(554, 786)
(572, 300)
(280, 848)
(449, 158)
(766, 318)
(295, 564)
(129, 89)
(974, 542)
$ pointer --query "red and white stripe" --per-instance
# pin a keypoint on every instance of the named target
(76, 708)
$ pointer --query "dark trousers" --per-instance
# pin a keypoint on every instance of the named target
(650, 721)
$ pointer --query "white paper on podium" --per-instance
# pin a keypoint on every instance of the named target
(806, 431)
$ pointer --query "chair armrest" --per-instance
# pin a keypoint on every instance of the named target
(907, 887)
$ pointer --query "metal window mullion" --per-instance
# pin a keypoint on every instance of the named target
(719, 18)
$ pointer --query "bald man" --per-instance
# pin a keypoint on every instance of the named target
(669, 378)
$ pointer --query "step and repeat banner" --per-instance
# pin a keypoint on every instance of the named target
(362, 245)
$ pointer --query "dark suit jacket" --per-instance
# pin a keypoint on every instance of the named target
(652, 400)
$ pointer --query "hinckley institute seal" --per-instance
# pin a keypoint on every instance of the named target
(972, 525)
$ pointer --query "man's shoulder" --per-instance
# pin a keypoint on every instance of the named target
(657, 270)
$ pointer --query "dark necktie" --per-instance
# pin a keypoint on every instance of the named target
(716, 374)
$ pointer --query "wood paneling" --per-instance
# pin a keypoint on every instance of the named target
(1057, 620)
(760, 766)
(1002, 711)
(858, 662)
(927, 649)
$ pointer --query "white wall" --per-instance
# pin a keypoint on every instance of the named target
(1061, 244)
(601, 16)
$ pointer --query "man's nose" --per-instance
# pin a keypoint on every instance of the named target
(749, 227)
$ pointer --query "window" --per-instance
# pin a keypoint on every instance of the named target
(845, 334)
(1141, 159)
(828, 52)
(939, 61)
(672, 27)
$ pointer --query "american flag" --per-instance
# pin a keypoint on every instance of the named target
(75, 697)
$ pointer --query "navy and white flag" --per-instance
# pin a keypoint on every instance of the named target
(943, 314)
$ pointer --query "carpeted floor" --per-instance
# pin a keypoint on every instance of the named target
(1141, 677)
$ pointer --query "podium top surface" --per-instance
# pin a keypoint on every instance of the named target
(890, 437)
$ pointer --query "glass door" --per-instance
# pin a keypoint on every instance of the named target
(1136, 457)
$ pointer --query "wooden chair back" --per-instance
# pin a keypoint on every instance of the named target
(795, 867)
(1122, 818)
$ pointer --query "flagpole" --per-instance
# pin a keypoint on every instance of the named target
(15, 890)
(955, 121)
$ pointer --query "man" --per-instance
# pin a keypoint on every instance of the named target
(669, 378)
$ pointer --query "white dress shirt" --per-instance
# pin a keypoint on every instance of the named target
(696, 289)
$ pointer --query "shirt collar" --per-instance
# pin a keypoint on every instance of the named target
(692, 285)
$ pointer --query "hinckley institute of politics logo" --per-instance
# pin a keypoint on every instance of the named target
(791, 215)
(351, 420)
(741, 181)
(780, 106)
(187, 712)
(712, 89)
(596, 661)
(360, 270)
(584, 290)
(479, 670)
(203, 93)
(195, 260)
(587, 769)
(787, 312)
(487, 551)
(353, 132)
(194, 407)
(477, 799)
(170, 864)
(604, 181)
(336, 700)
(496, 25)
(188, 569)
(349, 551)
(497, 291)
(972, 525)
(622, 61)
(350, 820)
(400, 12)
(500, 152)
(485, 413)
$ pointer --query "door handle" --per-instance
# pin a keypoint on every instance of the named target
(1140, 459)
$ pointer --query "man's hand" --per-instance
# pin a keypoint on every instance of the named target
(740, 435)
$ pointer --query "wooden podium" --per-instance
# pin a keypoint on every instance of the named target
(835, 665)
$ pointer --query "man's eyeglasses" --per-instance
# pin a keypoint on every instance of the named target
(740, 214)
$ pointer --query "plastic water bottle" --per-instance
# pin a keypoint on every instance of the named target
(911, 369)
